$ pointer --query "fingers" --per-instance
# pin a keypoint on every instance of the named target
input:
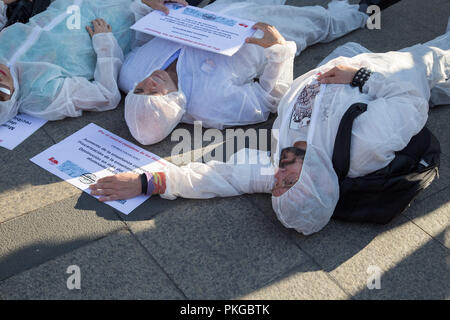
(182, 2)
(100, 26)
(121, 186)
(329, 73)
(112, 197)
(159, 5)
(260, 26)
(97, 23)
(270, 38)
(259, 41)
(89, 30)
(328, 77)
(255, 41)
(105, 194)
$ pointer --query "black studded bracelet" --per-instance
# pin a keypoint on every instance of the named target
(360, 78)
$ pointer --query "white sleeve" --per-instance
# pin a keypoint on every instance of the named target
(218, 179)
(397, 113)
(266, 94)
(3, 17)
(279, 71)
(78, 93)
(140, 10)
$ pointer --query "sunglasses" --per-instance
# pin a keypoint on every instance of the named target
(6, 91)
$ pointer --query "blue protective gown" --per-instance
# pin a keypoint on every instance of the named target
(45, 52)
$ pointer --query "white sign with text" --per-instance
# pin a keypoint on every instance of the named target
(16, 130)
(92, 153)
(197, 28)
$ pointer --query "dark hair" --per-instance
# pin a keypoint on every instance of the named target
(299, 153)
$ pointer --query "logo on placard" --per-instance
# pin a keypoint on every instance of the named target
(208, 16)
(88, 178)
(243, 25)
(53, 161)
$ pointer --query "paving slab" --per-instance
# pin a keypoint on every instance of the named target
(415, 262)
(433, 216)
(433, 14)
(440, 183)
(348, 249)
(218, 248)
(115, 267)
(401, 27)
(56, 229)
(34, 144)
(112, 120)
(221, 248)
(306, 282)
(27, 187)
(438, 120)
(27, 149)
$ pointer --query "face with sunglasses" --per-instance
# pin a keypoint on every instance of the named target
(289, 168)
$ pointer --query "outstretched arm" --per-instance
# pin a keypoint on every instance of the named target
(195, 180)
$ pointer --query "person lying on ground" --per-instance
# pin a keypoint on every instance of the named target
(167, 83)
(300, 175)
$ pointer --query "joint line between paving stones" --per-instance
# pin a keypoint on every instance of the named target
(333, 279)
(159, 266)
(62, 254)
(431, 236)
(304, 252)
(51, 138)
(152, 257)
(433, 194)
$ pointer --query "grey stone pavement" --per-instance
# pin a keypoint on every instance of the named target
(231, 248)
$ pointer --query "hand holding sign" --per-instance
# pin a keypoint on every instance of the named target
(271, 36)
(159, 4)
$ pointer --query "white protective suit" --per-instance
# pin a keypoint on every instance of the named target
(397, 95)
(219, 90)
(52, 77)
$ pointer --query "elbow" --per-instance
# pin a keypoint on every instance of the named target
(115, 99)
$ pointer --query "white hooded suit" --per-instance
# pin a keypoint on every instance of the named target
(397, 95)
(219, 90)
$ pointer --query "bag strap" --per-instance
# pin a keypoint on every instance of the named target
(39, 6)
(17, 10)
(23, 10)
(341, 152)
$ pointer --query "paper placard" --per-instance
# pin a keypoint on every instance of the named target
(92, 153)
(19, 128)
(198, 28)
